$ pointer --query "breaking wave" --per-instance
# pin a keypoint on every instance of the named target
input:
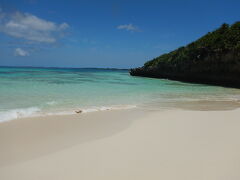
(35, 112)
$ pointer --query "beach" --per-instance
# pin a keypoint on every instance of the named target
(119, 90)
(131, 144)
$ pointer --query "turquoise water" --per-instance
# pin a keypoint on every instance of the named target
(45, 91)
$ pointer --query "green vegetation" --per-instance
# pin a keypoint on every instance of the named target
(212, 59)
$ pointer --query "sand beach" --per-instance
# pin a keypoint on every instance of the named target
(123, 144)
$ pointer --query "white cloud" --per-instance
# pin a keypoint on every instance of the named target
(129, 27)
(21, 52)
(29, 27)
(63, 26)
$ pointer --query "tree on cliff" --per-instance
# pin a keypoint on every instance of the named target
(212, 59)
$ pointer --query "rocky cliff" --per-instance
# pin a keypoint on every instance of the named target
(212, 59)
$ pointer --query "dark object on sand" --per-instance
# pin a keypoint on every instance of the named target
(79, 111)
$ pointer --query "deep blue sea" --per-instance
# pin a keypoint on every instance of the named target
(45, 91)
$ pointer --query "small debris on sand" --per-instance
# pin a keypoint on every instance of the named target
(79, 111)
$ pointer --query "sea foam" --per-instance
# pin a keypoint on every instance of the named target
(106, 108)
(92, 109)
(36, 112)
(18, 113)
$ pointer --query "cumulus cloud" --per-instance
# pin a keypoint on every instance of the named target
(30, 27)
(128, 27)
(21, 52)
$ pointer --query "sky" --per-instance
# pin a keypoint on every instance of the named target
(104, 33)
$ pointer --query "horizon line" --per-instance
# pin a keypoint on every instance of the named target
(49, 67)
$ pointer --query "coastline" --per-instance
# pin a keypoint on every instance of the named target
(30, 92)
(115, 90)
(123, 144)
(212, 59)
(140, 72)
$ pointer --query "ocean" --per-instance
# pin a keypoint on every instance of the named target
(28, 92)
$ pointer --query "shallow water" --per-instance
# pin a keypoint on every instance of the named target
(45, 91)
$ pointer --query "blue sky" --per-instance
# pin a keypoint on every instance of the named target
(116, 33)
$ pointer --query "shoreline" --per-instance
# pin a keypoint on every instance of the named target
(201, 81)
(192, 105)
(123, 144)
(35, 112)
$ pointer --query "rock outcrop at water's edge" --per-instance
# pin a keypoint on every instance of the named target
(212, 59)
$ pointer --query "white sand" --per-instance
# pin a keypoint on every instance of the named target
(122, 145)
